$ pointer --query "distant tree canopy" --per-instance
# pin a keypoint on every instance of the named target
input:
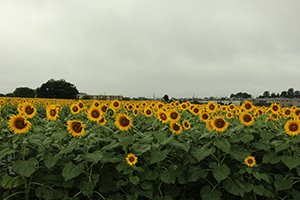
(24, 92)
(290, 93)
(59, 89)
(242, 95)
(166, 97)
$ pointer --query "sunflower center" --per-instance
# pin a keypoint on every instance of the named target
(95, 114)
(297, 112)
(80, 105)
(124, 121)
(75, 109)
(76, 126)
(163, 116)
(104, 108)
(131, 159)
(174, 115)
(287, 112)
(247, 118)
(116, 104)
(275, 108)
(29, 110)
(250, 161)
(186, 124)
(101, 120)
(293, 127)
(52, 112)
(19, 123)
(248, 106)
(219, 123)
(176, 127)
(205, 116)
(196, 110)
(148, 112)
(97, 104)
(211, 107)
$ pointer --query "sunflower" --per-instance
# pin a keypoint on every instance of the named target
(195, 110)
(131, 159)
(81, 105)
(111, 112)
(135, 112)
(246, 119)
(76, 128)
(102, 121)
(250, 161)
(209, 125)
(204, 116)
(148, 111)
(175, 127)
(229, 115)
(292, 127)
(275, 108)
(287, 113)
(96, 103)
(174, 115)
(115, 104)
(231, 107)
(18, 124)
(211, 107)
(123, 122)
(247, 106)
(186, 125)
(183, 106)
(296, 112)
(75, 109)
(52, 112)
(94, 113)
(160, 105)
(219, 124)
(28, 110)
(162, 116)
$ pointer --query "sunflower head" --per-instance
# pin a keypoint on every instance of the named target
(175, 127)
(211, 107)
(186, 125)
(246, 119)
(76, 128)
(292, 127)
(275, 108)
(135, 112)
(174, 115)
(52, 112)
(28, 110)
(75, 108)
(247, 106)
(148, 111)
(115, 104)
(94, 113)
(204, 116)
(219, 124)
(102, 121)
(131, 159)
(250, 161)
(123, 122)
(162, 116)
(18, 124)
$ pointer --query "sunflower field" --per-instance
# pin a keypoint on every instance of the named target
(89, 149)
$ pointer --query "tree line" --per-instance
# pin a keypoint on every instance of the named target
(59, 89)
(290, 93)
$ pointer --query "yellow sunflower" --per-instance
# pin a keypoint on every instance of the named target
(204, 116)
(231, 107)
(102, 121)
(123, 122)
(103, 108)
(131, 159)
(183, 106)
(75, 109)
(292, 127)
(186, 125)
(296, 112)
(162, 116)
(18, 124)
(52, 112)
(175, 127)
(94, 113)
(195, 110)
(219, 124)
(250, 161)
(247, 106)
(135, 112)
(211, 107)
(81, 105)
(148, 112)
(115, 104)
(173, 115)
(246, 119)
(275, 108)
(96, 103)
(287, 112)
(28, 110)
(76, 128)
(229, 115)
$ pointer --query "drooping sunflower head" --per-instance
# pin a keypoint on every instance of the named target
(123, 122)
(131, 159)
(186, 125)
(18, 124)
(52, 112)
(103, 108)
(94, 113)
(175, 127)
(292, 127)
(75, 109)
(162, 116)
(250, 161)
(76, 128)
(219, 124)
(102, 121)
(28, 110)
(135, 112)
(174, 115)
(246, 119)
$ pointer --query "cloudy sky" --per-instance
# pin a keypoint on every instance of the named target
(151, 47)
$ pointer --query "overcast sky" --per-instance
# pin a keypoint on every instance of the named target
(182, 48)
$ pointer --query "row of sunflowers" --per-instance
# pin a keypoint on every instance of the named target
(90, 149)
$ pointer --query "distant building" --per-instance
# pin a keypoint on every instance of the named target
(100, 97)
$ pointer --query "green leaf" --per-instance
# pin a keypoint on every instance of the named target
(48, 193)
(121, 183)
(281, 183)
(271, 157)
(236, 185)
(93, 157)
(239, 155)
(139, 149)
(280, 145)
(221, 172)
(26, 167)
(68, 149)
(259, 189)
(121, 166)
(146, 185)
(262, 144)
(6, 152)
(201, 153)
(157, 156)
(87, 187)
(151, 175)
(50, 160)
(178, 145)
(207, 193)
(194, 173)
(267, 135)
(161, 136)
(290, 162)
(127, 140)
(247, 138)
(11, 181)
(223, 144)
(111, 145)
(134, 179)
(70, 171)
(167, 177)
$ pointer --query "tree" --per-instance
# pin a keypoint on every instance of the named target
(290, 93)
(266, 94)
(166, 97)
(24, 92)
(59, 89)
(283, 94)
(297, 94)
